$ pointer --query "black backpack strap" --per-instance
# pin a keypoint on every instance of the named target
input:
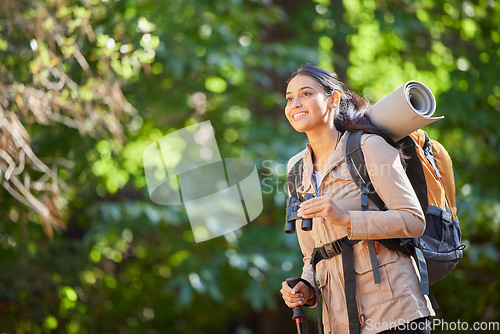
(429, 154)
(357, 167)
(295, 177)
(342, 247)
(350, 285)
(422, 267)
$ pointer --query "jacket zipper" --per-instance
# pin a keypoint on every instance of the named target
(318, 193)
(325, 224)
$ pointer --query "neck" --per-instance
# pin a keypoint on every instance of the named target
(323, 142)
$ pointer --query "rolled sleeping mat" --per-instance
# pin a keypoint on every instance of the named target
(405, 110)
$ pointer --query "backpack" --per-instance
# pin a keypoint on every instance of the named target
(438, 250)
(429, 169)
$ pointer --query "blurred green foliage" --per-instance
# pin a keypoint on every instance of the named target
(95, 82)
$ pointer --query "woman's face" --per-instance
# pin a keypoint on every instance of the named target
(307, 105)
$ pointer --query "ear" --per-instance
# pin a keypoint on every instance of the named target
(334, 100)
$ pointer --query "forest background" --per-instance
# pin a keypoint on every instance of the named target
(86, 86)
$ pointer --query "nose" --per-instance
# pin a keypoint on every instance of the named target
(296, 103)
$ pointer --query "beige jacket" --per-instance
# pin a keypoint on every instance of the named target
(397, 299)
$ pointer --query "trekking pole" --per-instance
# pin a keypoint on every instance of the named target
(297, 311)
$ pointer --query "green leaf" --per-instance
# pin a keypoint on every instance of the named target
(215, 84)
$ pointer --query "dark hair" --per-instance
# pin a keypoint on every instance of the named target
(352, 108)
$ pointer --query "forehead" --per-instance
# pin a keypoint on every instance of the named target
(300, 81)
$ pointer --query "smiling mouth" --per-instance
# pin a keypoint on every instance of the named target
(299, 115)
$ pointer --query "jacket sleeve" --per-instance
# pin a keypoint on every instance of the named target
(404, 217)
(306, 243)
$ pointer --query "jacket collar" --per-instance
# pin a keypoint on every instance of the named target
(336, 158)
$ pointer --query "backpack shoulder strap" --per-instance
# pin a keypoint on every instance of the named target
(357, 167)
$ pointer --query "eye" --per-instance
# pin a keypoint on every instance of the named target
(289, 99)
(307, 93)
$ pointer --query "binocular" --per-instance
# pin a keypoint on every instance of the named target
(292, 205)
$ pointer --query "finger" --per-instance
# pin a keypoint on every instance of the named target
(321, 204)
(308, 215)
(311, 212)
(309, 202)
(313, 208)
(295, 300)
(298, 290)
(314, 202)
(300, 287)
(292, 296)
(292, 305)
(287, 288)
(290, 293)
(314, 199)
(304, 208)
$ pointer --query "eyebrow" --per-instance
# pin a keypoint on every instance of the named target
(305, 87)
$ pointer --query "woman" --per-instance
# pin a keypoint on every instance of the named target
(317, 105)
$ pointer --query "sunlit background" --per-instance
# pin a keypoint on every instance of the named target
(86, 86)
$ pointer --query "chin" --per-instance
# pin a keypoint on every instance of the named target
(300, 128)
